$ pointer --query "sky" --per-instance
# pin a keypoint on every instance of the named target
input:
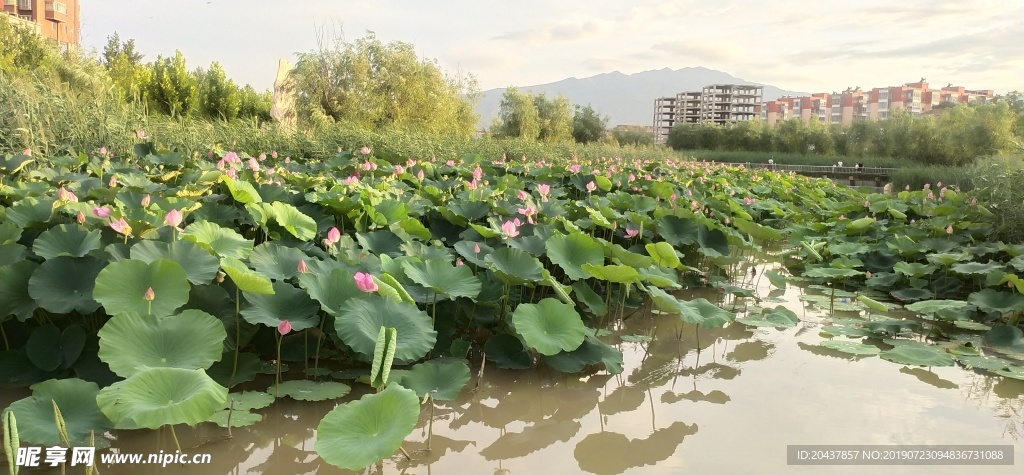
(814, 46)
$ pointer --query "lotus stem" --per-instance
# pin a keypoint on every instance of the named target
(430, 424)
(238, 336)
(277, 376)
(316, 360)
(175, 436)
(3, 334)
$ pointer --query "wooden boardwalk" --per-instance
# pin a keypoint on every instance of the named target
(880, 176)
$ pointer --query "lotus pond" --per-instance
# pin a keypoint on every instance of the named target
(500, 312)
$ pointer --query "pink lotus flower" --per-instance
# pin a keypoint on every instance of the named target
(232, 157)
(842, 217)
(478, 173)
(364, 150)
(867, 274)
(574, 168)
(472, 185)
(145, 201)
(149, 295)
(27, 152)
(365, 282)
(287, 159)
(458, 262)
(907, 188)
(631, 178)
(544, 189)
(974, 201)
(103, 150)
(67, 195)
(121, 226)
(173, 218)
(867, 204)
(528, 211)
(938, 185)
(232, 174)
(399, 169)
(102, 212)
(113, 181)
(81, 218)
(927, 185)
(350, 181)
(522, 195)
(141, 134)
(262, 157)
(591, 187)
(510, 229)
(254, 165)
(476, 249)
(284, 328)
(949, 229)
(419, 175)
(273, 154)
(303, 268)
(410, 162)
(632, 233)
(333, 235)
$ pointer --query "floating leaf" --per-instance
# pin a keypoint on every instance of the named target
(357, 434)
(851, 347)
(919, 355)
(780, 317)
(306, 390)
(237, 417)
(992, 300)
(249, 400)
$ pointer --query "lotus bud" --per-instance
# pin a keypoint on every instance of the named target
(333, 235)
(113, 182)
(27, 152)
(263, 157)
(274, 154)
(145, 201)
(303, 268)
(149, 295)
(173, 218)
(141, 134)
(365, 283)
(254, 165)
(949, 229)
(458, 262)
(974, 201)
(476, 249)
(591, 187)
(81, 218)
(220, 277)
(509, 229)
(284, 327)
(867, 274)
(102, 212)
(364, 150)
(287, 159)
(327, 243)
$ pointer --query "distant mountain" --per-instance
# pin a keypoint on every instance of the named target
(628, 99)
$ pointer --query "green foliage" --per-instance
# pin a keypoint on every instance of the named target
(254, 105)
(635, 135)
(371, 84)
(20, 48)
(218, 96)
(588, 125)
(534, 117)
(173, 89)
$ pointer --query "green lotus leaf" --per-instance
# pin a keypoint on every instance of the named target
(1005, 336)
(592, 351)
(663, 254)
(381, 242)
(776, 279)
(891, 326)
(626, 257)
(992, 300)
(919, 355)
(200, 266)
(507, 352)
(912, 295)
(237, 418)
(292, 220)
(66, 284)
(442, 379)
(831, 273)
(12, 253)
(355, 435)
(931, 307)
(245, 279)
(131, 343)
(779, 317)
(222, 241)
(969, 325)
(71, 240)
(160, 396)
(595, 304)
(946, 284)
(977, 268)
(359, 321)
(883, 280)
(706, 314)
(76, 400)
(915, 269)
(755, 230)
(848, 248)
(242, 191)
(276, 261)
(31, 212)
(678, 231)
(659, 276)
(248, 400)
(990, 363)
(713, 242)
(121, 287)
(471, 210)
(49, 348)
(571, 252)
(515, 266)
(466, 249)
(860, 224)
(622, 274)
(851, 347)
(306, 390)
(549, 326)
(14, 296)
(872, 303)
(10, 233)
(947, 258)
(443, 278)
(332, 290)
(286, 303)
(249, 365)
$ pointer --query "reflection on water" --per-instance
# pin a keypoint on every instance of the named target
(710, 401)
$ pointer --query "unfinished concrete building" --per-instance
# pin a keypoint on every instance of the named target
(717, 104)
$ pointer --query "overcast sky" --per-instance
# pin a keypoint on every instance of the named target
(797, 45)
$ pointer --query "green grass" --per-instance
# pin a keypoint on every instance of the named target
(790, 158)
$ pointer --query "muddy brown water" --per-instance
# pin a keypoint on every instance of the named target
(729, 405)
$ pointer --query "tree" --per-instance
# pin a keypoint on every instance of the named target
(587, 124)
(115, 48)
(518, 116)
(555, 118)
(371, 84)
(20, 48)
(254, 104)
(218, 95)
(173, 89)
(636, 135)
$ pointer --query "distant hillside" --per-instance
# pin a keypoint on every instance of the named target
(627, 99)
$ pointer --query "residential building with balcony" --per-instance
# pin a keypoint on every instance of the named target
(56, 20)
(717, 104)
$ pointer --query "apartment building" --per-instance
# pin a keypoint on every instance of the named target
(852, 104)
(57, 20)
(717, 104)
